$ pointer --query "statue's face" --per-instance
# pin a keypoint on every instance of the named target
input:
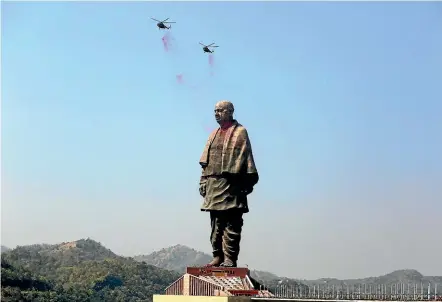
(222, 113)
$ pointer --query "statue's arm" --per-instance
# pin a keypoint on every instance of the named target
(252, 179)
(249, 179)
(203, 181)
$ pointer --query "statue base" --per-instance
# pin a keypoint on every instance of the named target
(241, 272)
(216, 281)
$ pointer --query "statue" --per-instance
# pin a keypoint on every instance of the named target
(228, 176)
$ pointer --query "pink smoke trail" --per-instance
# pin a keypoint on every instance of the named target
(208, 129)
(166, 41)
(211, 63)
(179, 78)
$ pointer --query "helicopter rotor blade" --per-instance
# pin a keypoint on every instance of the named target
(165, 20)
(203, 44)
(155, 20)
(210, 44)
(169, 22)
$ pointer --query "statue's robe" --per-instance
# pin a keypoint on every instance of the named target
(229, 171)
(228, 176)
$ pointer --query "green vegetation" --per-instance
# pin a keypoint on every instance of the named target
(78, 271)
(19, 284)
(176, 258)
(86, 271)
(179, 256)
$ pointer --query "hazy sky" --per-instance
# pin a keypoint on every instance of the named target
(342, 101)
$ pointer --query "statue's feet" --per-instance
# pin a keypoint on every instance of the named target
(215, 262)
(228, 263)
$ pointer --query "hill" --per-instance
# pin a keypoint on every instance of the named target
(85, 267)
(405, 276)
(18, 284)
(178, 257)
(84, 270)
(175, 258)
(4, 249)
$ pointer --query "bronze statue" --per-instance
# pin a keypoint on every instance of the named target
(228, 176)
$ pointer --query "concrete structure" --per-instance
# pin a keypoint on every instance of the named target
(173, 298)
(200, 284)
(202, 281)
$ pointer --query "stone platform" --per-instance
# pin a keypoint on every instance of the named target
(214, 282)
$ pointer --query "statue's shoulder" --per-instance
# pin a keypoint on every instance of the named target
(241, 132)
(213, 133)
(240, 128)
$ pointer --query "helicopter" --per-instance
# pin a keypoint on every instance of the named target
(162, 24)
(206, 47)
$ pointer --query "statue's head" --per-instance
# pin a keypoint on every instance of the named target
(224, 112)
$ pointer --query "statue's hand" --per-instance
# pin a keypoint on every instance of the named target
(247, 191)
(203, 190)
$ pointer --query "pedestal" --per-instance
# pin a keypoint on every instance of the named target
(240, 272)
(215, 282)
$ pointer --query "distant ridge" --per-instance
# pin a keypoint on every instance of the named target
(89, 268)
(4, 249)
(71, 253)
(175, 258)
(178, 257)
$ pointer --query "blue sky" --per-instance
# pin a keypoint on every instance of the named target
(342, 101)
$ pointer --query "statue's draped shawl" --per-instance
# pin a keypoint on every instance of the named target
(237, 156)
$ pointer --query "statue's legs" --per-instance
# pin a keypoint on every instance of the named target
(218, 224)
(225, 236)
(232, 237)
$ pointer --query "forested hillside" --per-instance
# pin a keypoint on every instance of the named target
(19, 284)
(82, 270)
(178, 257)
(86, 271)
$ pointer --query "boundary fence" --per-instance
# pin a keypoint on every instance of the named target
(392, 292)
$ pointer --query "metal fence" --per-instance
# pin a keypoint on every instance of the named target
(393, 292)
